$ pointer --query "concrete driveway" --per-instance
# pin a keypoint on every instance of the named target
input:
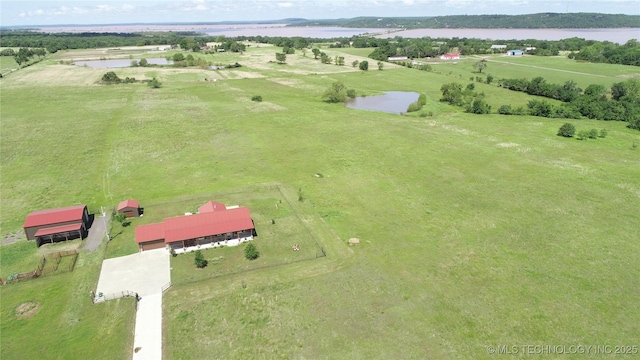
(145, 273)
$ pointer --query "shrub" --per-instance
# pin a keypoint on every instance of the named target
(414, 107)
(364, 65)
(505, 110)
(567, 130)
(351, 93)
(111, 78)
(154, 83)
(603, 133)
(251, 251)
(593, 134)
(583, 135)
(256, 98)
(479, 107)
(172, 252)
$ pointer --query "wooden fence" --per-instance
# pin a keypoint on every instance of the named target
(43, 269)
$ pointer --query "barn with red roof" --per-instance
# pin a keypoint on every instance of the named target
(214, 225)
(131, 208)
(60, 224)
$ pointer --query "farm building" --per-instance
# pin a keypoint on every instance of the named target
(498, 47)
(53, 225)
(515, 53)
(214, 225)
(397, 58)
(131, 208)
(450, 56)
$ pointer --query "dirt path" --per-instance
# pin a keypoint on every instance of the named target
(96, 234)
(552, 69)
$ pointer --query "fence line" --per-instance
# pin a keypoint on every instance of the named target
(102, 297)
(166, 286)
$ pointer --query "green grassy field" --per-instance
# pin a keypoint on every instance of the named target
(475, 230)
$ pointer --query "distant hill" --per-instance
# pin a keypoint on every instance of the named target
(530, 21)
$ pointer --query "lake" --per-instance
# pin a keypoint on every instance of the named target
(120, 63)
(620, 35)
(394, 102)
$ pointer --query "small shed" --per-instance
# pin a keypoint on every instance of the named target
(515, 53)
(130, 208)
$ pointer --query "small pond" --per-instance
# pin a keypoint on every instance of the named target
(394, 102)
(120, 63)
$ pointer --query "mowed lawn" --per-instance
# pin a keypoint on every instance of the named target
(474, 230)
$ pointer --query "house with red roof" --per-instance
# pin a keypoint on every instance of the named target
(61, 224)
(215, 224)
(450, 56)
(130, 208)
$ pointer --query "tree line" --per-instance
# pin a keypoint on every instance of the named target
(527, 21)
(620, 103)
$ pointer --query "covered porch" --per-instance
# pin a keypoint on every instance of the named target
(229, 239)
(60, 233)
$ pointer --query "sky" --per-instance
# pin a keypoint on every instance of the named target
(62, 12)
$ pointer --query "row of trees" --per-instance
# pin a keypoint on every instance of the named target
(611, 53)
(621, 103)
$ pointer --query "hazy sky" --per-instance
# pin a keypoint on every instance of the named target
(56, 12)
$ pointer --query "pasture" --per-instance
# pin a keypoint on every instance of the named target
(475, 230)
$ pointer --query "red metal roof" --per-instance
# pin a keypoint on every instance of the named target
(210, 223)
(58, 229)
(54, 216)
(211, 206)
(128, 204)
(151, 232)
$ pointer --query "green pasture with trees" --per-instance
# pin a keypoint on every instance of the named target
(473, 229)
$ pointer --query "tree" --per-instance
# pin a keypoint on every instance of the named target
(380, 65)
(337, 92)
(480, 65)
(178, 57)
(316, 52)
(281, 58)
(364, 65)
(567, 130)
(355, 63)
(143, 62)
(251, 251)
(340, 60)
(200, 260)
(452, 94)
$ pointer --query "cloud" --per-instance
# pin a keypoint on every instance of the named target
(285, 4)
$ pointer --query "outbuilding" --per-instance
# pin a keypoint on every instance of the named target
(60, 224)
(131, 208)
(515, 53)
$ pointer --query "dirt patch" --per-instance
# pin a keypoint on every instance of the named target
(354, 241)
(27, 310)
(12, 237)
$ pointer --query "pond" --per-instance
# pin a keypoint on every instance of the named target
(120, 63)
(394, 102)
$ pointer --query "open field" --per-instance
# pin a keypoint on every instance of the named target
(475, 230)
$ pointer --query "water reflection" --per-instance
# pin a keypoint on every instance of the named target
(394, 102)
